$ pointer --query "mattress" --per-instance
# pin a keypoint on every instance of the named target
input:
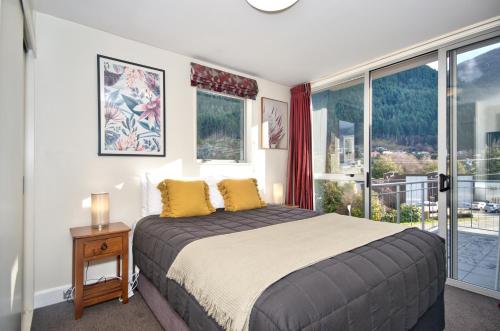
(385, 285)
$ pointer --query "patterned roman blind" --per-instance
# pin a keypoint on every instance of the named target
(223, 82)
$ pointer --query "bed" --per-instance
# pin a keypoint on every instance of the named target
(395, 283)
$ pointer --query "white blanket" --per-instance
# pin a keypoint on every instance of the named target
(227, 273)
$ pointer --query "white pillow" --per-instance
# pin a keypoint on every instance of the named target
(215, 197)
(151, 196)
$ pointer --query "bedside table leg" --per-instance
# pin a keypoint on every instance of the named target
(73, 269)
(78, 279)
(118, 262)
(125, 268)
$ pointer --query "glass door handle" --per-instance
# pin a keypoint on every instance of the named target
(368, 179)
(444, 183)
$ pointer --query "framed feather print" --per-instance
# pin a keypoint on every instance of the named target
(274, 124)
(131, 108)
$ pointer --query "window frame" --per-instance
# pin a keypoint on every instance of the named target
(244, 159)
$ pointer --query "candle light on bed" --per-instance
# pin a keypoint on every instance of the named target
(100, 210)
(278, 193)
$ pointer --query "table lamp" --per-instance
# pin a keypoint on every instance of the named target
(278, 193)
(100, 210)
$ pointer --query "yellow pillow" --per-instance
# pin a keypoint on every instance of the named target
(185, 198)
(240, 194)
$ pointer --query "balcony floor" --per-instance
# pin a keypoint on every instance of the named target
(477, 258)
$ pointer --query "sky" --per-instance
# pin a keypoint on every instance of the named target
(468, 54)
(476, 52)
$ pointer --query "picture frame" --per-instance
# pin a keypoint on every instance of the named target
(274, 124)
(131, 108)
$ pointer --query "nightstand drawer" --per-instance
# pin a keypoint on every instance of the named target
(102, 246)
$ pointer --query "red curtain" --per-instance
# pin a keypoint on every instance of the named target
(300, 180)
(223, 82)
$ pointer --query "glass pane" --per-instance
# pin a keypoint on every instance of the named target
(344, 197)
(338, 149)
(477, 207)
(404, 145)
(220, 127)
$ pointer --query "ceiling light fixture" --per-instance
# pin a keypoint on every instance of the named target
(271, 5)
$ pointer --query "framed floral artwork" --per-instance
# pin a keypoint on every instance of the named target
(274, 124)
(131, 108)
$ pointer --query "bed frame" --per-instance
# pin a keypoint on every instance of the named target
(160, 307)
(432, 320)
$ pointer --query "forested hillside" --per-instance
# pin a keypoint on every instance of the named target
(405, 109)
(219, 127)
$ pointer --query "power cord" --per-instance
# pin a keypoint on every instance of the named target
(69, 293)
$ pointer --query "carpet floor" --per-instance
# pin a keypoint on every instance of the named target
(464, 311)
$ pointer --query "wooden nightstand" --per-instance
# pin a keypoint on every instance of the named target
(90, 244)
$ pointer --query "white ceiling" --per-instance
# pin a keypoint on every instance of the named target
(310, 40)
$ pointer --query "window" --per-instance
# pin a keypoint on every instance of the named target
(338, 148)
(220, 127)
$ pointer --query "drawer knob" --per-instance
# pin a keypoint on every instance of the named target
(104, 246)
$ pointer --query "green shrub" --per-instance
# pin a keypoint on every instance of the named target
(357, 207)
(332, 197)
(410, 213)
(377, 208)
(390, 216)
(336, 197)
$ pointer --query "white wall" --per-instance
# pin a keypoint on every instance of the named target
(67, 168)
(11, 163)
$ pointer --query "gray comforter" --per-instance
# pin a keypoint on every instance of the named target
(386, 285)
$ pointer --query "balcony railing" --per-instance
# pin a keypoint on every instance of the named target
(472, 197)
(415, 203)
(410, 202)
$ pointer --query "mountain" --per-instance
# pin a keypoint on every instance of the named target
(404, 108)
(404, 113)
(479, 78)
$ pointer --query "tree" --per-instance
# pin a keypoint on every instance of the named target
(430, 166)
(381, 165)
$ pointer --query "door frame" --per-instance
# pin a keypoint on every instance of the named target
(447, 119)
(367, 121)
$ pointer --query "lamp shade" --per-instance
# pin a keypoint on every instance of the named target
(100, 210)
(278, 193)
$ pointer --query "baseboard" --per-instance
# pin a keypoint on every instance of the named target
(50, 296)
(26, 319)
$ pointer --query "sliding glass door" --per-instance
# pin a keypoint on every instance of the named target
(403, 155)
(338, 148)
(474, 122)
(379, 141)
